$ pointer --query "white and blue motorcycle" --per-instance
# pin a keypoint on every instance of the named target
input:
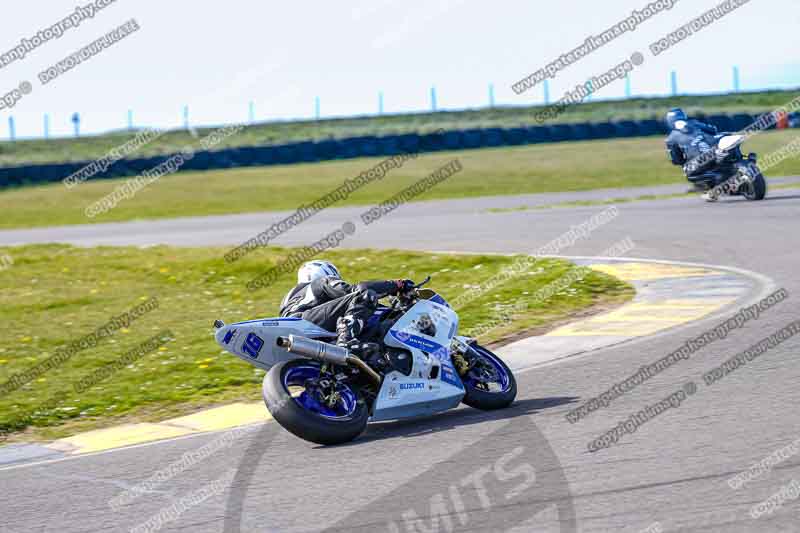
(410, 363)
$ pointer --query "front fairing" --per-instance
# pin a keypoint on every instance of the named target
(429, 327)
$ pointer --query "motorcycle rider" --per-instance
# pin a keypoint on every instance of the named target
(321, 296)
(691, 144)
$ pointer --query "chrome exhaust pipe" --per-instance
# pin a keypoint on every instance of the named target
(327, 353)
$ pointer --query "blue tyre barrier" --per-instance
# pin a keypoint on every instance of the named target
(722, 122)
(472, 139)
(453, 140)
(331, 149)
(515, 136)
(493, 137)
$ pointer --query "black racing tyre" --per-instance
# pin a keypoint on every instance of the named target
(492, 387)
(757, 189)
(303, 414)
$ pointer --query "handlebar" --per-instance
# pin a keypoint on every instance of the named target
(408, 296)
(422, 283)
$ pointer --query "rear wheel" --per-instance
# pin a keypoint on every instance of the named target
(488, 382)
(312, 404)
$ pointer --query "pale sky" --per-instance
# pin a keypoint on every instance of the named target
(216, 57)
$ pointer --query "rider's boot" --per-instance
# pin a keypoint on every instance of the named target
(347, 330)
(710, 196)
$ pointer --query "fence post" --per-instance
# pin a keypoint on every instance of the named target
(76, 122)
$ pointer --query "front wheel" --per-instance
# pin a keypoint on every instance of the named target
(756, 188)
(312, 404)
(488, 381)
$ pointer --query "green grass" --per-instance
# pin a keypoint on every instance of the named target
(499, 171)
(88, 148)
(55, 294)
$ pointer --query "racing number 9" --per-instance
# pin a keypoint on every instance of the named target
(252, 345)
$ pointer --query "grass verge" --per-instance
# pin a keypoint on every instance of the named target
(54, 294)
(531, 169)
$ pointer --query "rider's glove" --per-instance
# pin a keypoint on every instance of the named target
(404, 285)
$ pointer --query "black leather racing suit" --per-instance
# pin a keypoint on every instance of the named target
(687, 142)
(326, 299)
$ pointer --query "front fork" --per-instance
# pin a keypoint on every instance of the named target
(748, 170)
(458, 347)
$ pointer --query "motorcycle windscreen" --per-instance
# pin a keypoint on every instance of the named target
(433, 296)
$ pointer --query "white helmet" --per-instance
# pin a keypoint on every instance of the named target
(316, 269)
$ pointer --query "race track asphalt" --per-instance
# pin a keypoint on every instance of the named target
(523, 469)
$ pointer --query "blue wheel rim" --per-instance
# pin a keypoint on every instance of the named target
(298, 375)
(503, 379)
